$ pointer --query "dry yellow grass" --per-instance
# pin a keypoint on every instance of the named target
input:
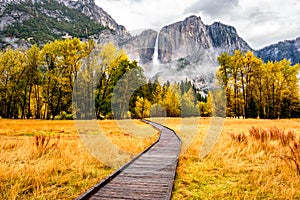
(32, 127)
(63, 168)
(234, 170)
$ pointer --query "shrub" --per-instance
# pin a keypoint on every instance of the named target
(287, 141)
(63, 115)
(57, 117)
(42, 144)
(259, 134)
(293, 154)
(240, 137)
(69, 117)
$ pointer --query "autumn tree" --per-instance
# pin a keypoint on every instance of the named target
(224, 73)
(32, 81)
(12, 70)
(188, 104)
(114, 64)
(63, 60)
(257, 89)
(171, 100)
(142, 107)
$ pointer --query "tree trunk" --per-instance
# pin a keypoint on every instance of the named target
(29, 98)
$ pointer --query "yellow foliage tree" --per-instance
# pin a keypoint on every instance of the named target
(142, 107)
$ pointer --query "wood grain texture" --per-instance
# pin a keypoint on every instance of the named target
(149, 176)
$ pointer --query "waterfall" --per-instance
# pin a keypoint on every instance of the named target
(155, 55)
(155, 61)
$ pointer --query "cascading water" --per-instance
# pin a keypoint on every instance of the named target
(155, 55)
(155, 61)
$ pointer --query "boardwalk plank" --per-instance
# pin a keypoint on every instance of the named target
(150, 176)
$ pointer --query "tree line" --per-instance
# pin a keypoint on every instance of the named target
(38, 82)
(255, 89)
(120, 90)
(68, 79)
(179, 99)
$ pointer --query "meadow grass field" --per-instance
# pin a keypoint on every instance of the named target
(47, 160)
(237, 168)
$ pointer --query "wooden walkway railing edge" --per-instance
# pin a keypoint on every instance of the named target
(149, 122)
(87, 194)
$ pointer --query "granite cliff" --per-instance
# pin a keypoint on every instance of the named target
(289, 49)
(184, 49)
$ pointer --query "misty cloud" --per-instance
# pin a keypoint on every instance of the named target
(212, 8)
(134, 1)
(259, 22)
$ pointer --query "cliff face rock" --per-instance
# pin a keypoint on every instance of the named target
(141, 47)
(225, 38)
(44, 20)
(9, 15)
(189, 48)
(86, 7)
(95, 13)
(289, 49)
(182, 39)
(192, 38)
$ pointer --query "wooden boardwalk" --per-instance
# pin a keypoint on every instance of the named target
(149, 176)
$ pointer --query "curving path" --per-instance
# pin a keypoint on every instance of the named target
(148, 176)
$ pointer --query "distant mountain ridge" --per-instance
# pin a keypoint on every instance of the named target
(192, 38)
(46, 20)
(189, 49)
(289, 49)
(185, 49)
(95, 13)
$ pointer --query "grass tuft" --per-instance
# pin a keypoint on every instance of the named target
(52, 162)
(240, 166)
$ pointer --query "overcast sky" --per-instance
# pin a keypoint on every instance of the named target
(260, 23)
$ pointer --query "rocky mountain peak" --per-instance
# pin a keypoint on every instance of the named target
(78, 2)
(91, 2)
(141, 47)
(192, 20)
(298, 42)
(221, 26)
(289, 49)
(95, 13)
(47, 20)
(225, 37)
(199, 42)
(183, 38)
